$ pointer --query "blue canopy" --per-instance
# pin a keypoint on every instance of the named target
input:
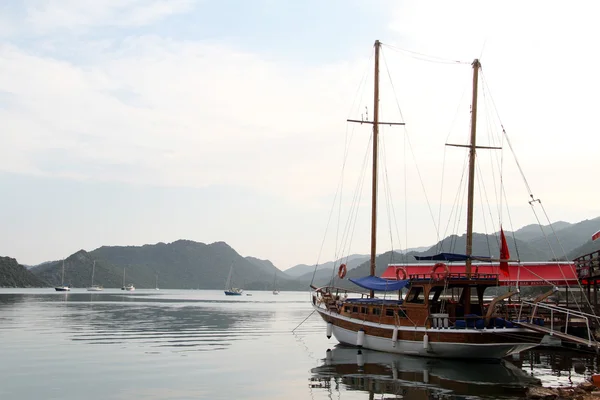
(451, 257)
(377, 283)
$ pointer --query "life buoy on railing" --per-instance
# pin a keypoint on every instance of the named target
(438, 276)
(342, 271)
(404, 273)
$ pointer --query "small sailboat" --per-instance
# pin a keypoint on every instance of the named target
(229, 289)
(129, 287)
(275, 290)
(156, 283)
(62, 287)
(94, 288)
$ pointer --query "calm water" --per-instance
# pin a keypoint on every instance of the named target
(196, 344)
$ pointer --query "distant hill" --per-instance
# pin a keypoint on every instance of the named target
(12, 274)
(186, 264)
(183, 264)
(487, 246)
(568, 238)
(533, 231)
(351, 261)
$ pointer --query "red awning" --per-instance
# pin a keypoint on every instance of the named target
(523, 274)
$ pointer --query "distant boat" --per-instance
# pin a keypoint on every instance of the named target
(62, 287)
(275, 290)
(229, 289)
(129, 287)
(94, 288)
(156, 284)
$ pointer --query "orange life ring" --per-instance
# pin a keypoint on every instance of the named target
(438, 276)
(342, 271)
(404, 273)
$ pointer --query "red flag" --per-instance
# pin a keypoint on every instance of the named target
(596, 236)
(504, 254)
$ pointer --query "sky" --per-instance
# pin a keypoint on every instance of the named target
(130, 122)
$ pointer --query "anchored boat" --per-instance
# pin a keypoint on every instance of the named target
(439, 309)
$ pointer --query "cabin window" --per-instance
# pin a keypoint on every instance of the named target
(377, 311)
(401, 313)
(364, 310)
(389, 312)
(347, 309)
(415, 295)
(434, 294)
(354, 309)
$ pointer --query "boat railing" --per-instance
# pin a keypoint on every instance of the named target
(555, 313)
(456, 276)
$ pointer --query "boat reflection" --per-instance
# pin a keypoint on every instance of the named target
(376, 373)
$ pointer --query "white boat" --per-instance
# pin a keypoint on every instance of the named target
(94, 288)
(275, 290)
(129, 287)
(156, 283)
(440, 313)
(229, 289)
(62, 287)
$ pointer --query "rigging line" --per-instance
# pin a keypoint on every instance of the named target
(552, 250)
(452, 124)
(564, 253)
(425, 57)
(304, 320)
(405, 174)
(409, 143)
(511, 148)
(493, 143)
(482, 196)
(348, 142)
(512, 227)
(337, 193)
(347, 145)
(405, 181)
(454, 211)
(362, 82)
(353, 214)
(392, 213)
(354, 203)
(388, 194)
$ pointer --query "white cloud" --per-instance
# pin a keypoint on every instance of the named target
(51, 15)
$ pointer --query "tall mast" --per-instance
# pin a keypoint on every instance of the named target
(375, 154)
(473, 147)
(93, 270)
(375, 124)
(62, 278)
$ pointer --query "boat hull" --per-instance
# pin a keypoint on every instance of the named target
(483, 344)
(94, 289)
(62, 289)
(228, 293)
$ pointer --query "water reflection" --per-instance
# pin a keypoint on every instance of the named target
(189, 324)
(350, 369)
(560, 366)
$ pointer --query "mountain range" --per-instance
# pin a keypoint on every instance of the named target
(186, 264)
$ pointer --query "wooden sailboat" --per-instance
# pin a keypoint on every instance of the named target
(426, 321)
(229, 289)
(63, 287)
(94, 288)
